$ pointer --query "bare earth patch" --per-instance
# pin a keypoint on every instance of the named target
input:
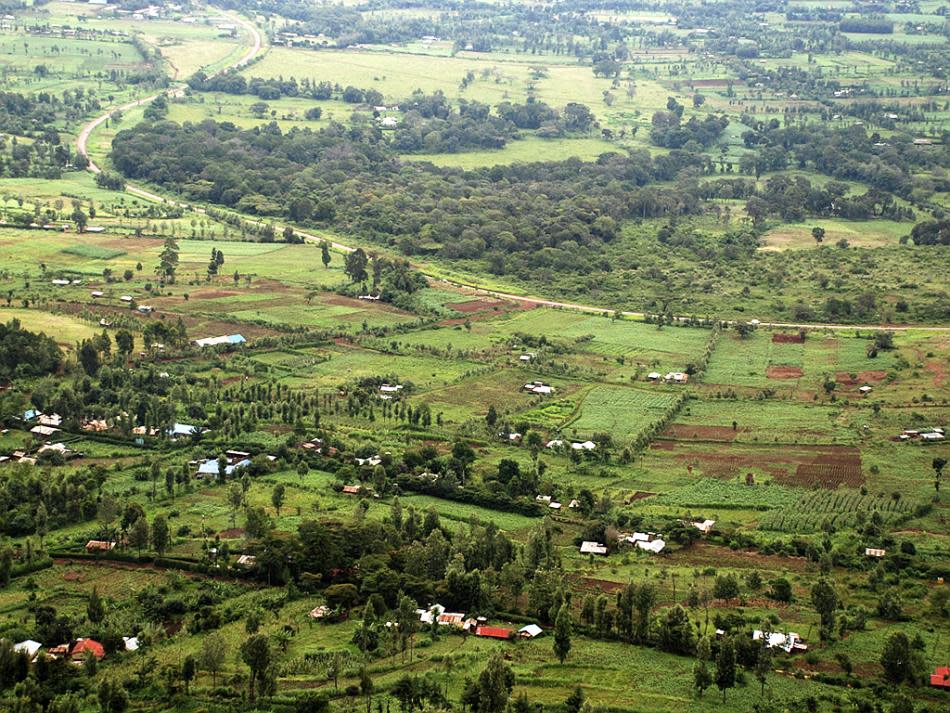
(783, 372)
(689, 432)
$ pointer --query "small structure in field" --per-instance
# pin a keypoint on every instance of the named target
(29, 647)
(100, 545)
(676, 377)
(940, 678)
(86, 647)
(531, 631)
(226, 339)
(874, 552)
(584, 446)
(539, 387)
(494, 632)
(655, 546)
(776, 640)
(593, 548)
(705, 526)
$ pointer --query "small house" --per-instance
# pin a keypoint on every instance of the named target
(676, 377)
(556, 443)
(654, 376)
(246, 561)
(494, 632)
(44, 431)
(29, 647)
(145, 309)
(96, 293)
(554, 506)
(865, 389)
(126, 298)
(543, 498)
(182, 429)
(585, 446)
(351, 489)
(86, 647)
(655, 546)
(874, 552)
(453, 619)
(940, 678)
(131, 643)
(705, 526)
(58, 652)
(61, 283)
(50, 420)
(574, 504)
(593, 548)
(100, 546)
(530, 631)
(776, 640)
(227, 339)
(514, 437)
(428, 616)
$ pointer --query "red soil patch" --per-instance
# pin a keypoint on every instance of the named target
(783, 338)
(212, 294)
(232, 533)
(935, 368)
(640, 495)
(706, 553)
(686, 432)
(590, 584)
(825, 466)
(72, 576)
(663, 445)
(783, 372)
(831, 470)
(844, 378)
(476, 306)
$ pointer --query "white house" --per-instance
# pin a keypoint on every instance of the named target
(28, 647)
(654, 546)
(585, 446)
(530, 631)
(874, 552)
(705, 526)
(593, 548)
(778, 640)
(556, 443)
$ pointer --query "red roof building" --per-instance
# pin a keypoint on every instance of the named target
(941, 677)
(493, 632)
(86, 646)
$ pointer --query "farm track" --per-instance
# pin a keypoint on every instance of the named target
(528, 300)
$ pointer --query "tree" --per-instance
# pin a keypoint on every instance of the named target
(938, 465)
(41, 520)
(491, 418)
(112, 697)
(160, 534)
(188, 669)
(168, 259)
(780, 590)
(89, 358)
(644, 599)
(562, 633)
(124, 341)
(702, 678)
(95, 608)
(901, 663)
(256, 654)
(79, 218)
(726, 667)
(818, 234)
(825, 600)
(138, 534)
(763, 664)
(325, 253)
(211, 656)
(674, 631)
(575, 701)
(494, 685)
(235, 499)
(355, 265)
(277, 497)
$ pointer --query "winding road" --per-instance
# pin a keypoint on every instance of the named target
(256, 45)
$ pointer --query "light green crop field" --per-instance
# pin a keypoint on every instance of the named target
(621, 411)
(66, 330)
(526, 150)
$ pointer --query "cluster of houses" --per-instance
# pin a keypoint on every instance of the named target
(389, 391)
(76, 651)
(554, 504)
(673, 377)
(224, 340)
(927, 435)
(63, 282)
(316, 445)
(210, 468)
(539, 387)
(436, 615)
(776, 640)
(575, 446)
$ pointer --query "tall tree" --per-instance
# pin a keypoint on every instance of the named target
(256, 653)
(160, 534)
(726, 666)
(95, 607)
(562, 633)
(325, 253)
(277, 497)
(355, 265)
(211, 656)
(702, 678)
(825, 600)
(168, 259)
(494, 686)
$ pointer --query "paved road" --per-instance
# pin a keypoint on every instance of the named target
(309, 237)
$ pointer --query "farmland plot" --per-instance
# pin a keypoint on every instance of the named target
(841, 509)
(621, 411)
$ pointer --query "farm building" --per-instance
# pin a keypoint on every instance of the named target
(865, 389)
(554, 505)
(543, 498)
(528, 357)
(427, 616)
(246, 561)
(182, 429)
(131, 643)
(777, 640)
(351, 489)
(50, 420)
(556, 443)
(59, 448)
(584, 446)
(676, 377)
(28, 647)
(874, 552)
(44, 431)
(493, 632)
(655, 546)
(100, 546)
(390, 388)
(126, 298)
(654, 376)
(451, 619)
(209, 468)
(705, 526)
(593, 548)
(530, 631)
(539, 387)
(369, 298)
(941, 677)
(84, 647)
(227, 339)
(61, 283)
